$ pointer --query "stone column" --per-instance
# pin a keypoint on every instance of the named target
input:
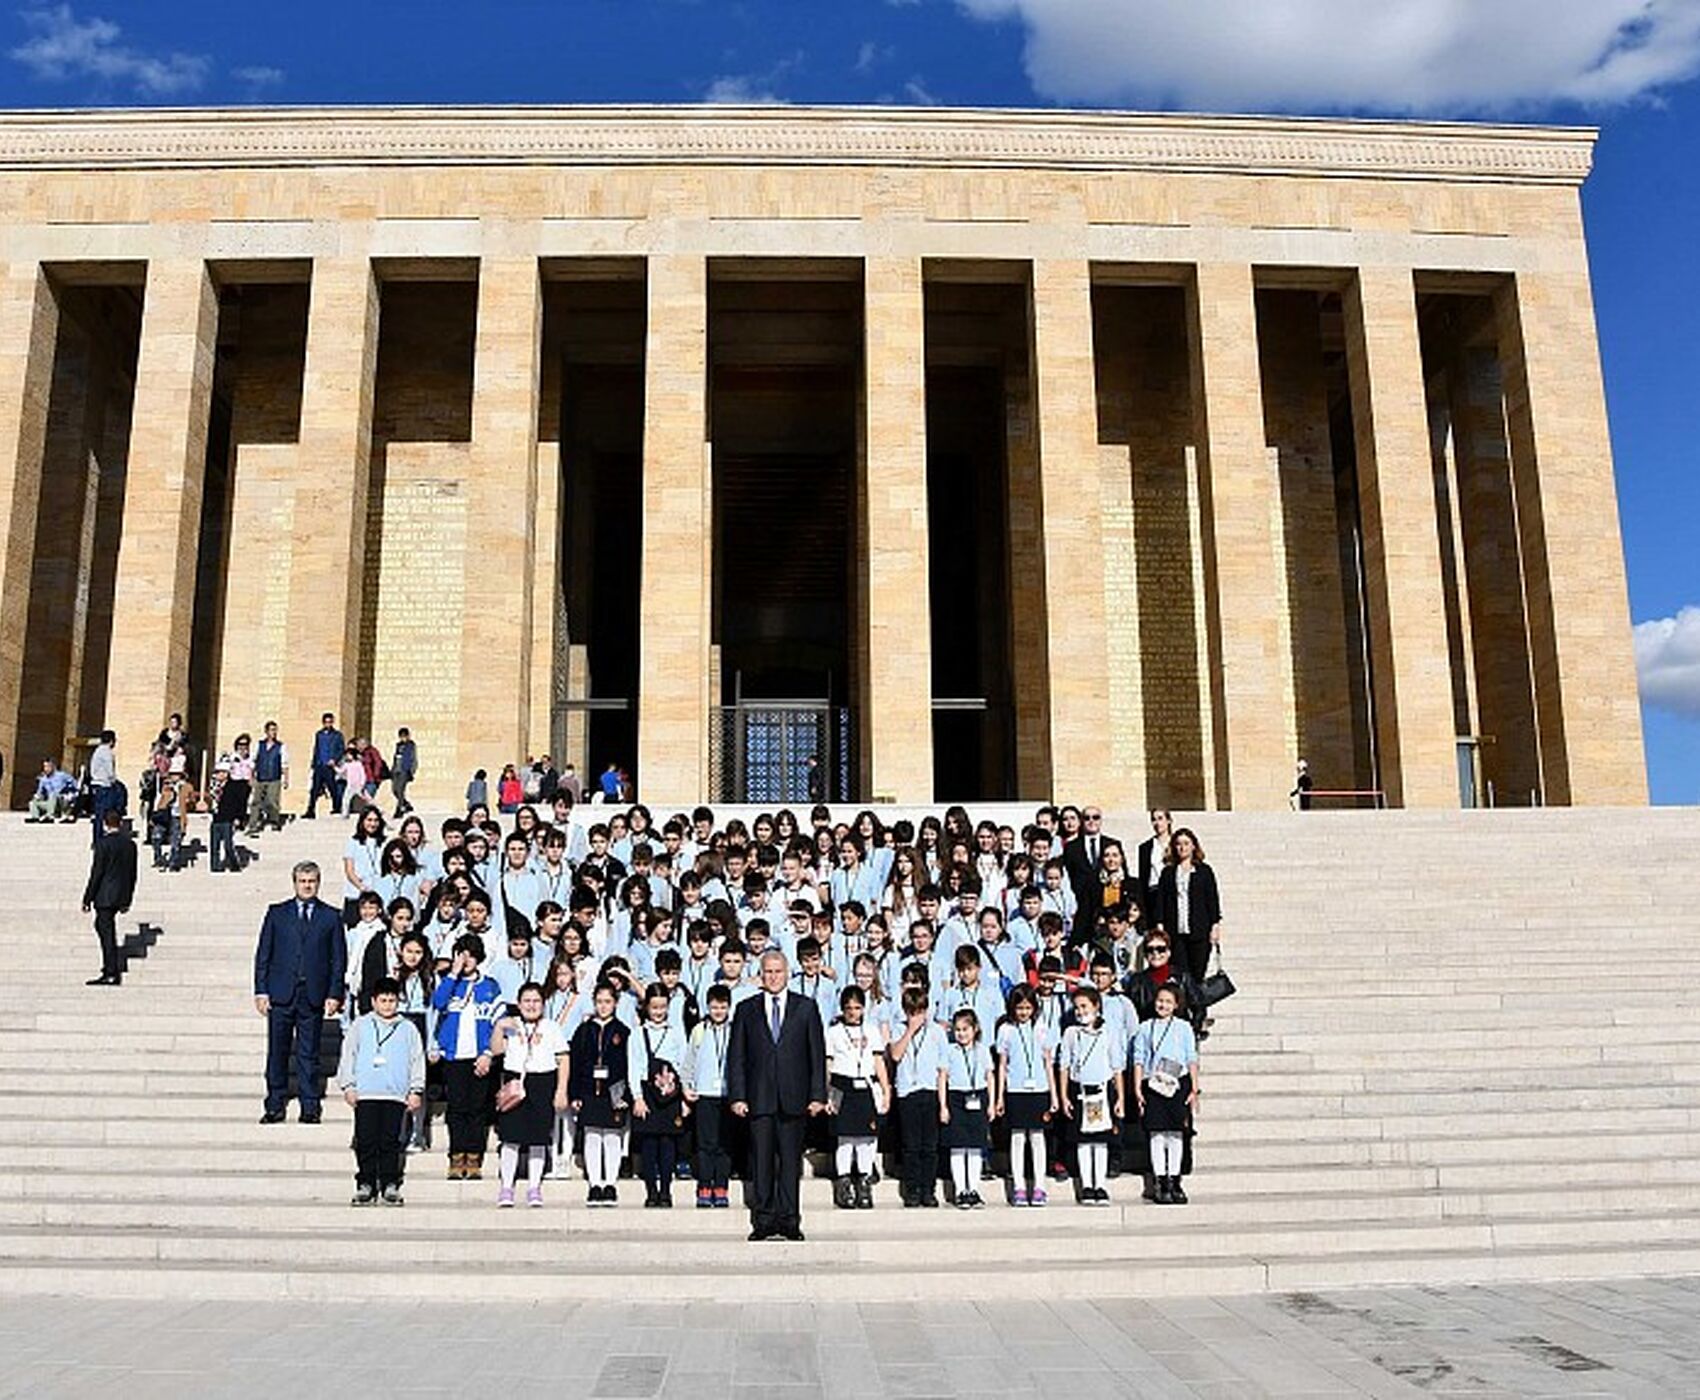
(1076, 655)
(1250, 671)
(1414, 728)
(29, 329)
(496, 653)
(153, 604)
(327, 567)
(897, 673)
(1586, 700)
(674, 592)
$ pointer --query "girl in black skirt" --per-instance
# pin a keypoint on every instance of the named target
(534, 1088)
(965, 1106)
(1165, 1088)
(1026, 1093)
(858, 1097)
(599, 1093)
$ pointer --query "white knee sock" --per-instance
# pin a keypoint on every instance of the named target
(601, 1155)
(975, 1162)
(1166, 1154)
(534, 1167)
(959, 1169)
(844, 1158)
(1041, 1157)
(864, 1155)
(1094, 1163)
(510, 1165)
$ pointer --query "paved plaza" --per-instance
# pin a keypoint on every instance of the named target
(1574, 1339)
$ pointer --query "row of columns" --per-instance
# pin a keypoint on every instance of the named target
(1579, 631)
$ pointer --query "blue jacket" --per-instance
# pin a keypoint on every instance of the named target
(480, 997)
(292, 951)
(328, 746)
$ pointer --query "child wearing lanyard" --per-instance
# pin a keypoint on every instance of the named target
(919, 1056)
(658, 1103)
(705, 1091)
(534, 1056)
(1027, 1094)
(381, 1074)
(855, 1064)
(564, 1004)
(1091, 1061)
(598, 1093)
(416, 978)
(965, 1086)
(1165, 1086)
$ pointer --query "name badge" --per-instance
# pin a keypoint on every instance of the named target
(860, 1083)
(378, 1062)
(600, 1072)
(972, 1103)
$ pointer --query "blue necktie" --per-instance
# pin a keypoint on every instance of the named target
(775, 1022)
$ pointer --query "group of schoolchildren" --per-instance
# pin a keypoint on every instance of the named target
(574, 987)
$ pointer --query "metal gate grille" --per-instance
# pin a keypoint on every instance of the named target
(759, 751)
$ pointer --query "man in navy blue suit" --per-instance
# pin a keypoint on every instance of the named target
(299, 971)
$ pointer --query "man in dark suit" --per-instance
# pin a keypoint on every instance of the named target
(776, 1078)
(1082, 862)
(111, 887)
(299, 974)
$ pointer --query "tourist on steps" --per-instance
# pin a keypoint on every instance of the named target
(299, 971)
(110, 888)
(1189, 906)
(468, 1005)
(1165, 1090)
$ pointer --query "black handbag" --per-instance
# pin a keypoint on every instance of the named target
(1216, 986)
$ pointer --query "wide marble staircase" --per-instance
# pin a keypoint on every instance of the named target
(1465, 1048)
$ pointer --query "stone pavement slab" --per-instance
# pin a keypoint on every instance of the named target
(1569, 1340)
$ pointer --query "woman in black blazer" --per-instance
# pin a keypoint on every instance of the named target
(1198, 927)
(1153, 856)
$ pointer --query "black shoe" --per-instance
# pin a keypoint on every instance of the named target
(363, 1196)
(842, 1196)
(760, 1233)
(864, 1193)
(910, 1200)
(311, 1115)
(1177, 1196)
(594, 1196)
(106, 979)
(651, 1198)
(272, 1115)
(1162, 1197)
(930, 1200)
(793, 1233)
(610, 1197)
(1150, 1192)
(666, 1199)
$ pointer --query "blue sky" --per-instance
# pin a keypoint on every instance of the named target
(1626, 65)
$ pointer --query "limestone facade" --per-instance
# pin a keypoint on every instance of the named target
(1273, 437)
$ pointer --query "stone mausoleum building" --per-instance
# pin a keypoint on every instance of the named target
(983, 454)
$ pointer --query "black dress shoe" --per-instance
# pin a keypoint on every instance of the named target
(106, 979)
(272, 1115)
(761, 1232)
(310, 1115)
(794, 1232)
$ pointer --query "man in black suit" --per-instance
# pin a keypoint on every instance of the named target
(299, 974)
(776, 1078)
(1082, 862)
(111, 887)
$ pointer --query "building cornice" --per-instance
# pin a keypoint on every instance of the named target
(261, 138)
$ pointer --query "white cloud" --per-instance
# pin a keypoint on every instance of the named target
(918, 93)
(259, 78)
(1667, 659)
(62, 47)
(869, 54)
(752, 89)
(1381, 55)
(740, 90)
